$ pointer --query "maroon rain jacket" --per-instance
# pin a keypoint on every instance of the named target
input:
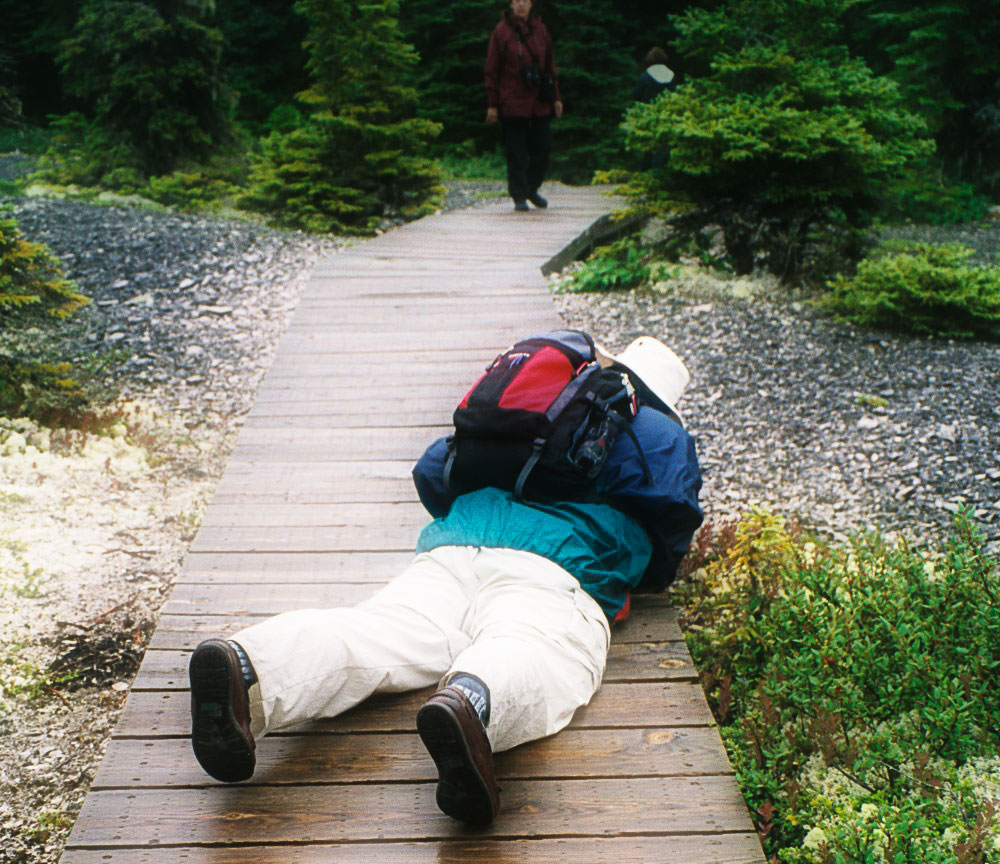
(505, 62)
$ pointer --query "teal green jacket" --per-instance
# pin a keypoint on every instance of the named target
(605, 550)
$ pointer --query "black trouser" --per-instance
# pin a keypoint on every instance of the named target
(527, 142)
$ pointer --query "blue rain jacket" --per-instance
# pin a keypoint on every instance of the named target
(600, 548)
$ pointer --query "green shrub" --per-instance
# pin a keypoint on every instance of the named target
(618, 266)
(34, 300)
(931, 202)
(857, 688)
(150, 75)
(463, 163)
(30, 278)
(189, 190)
(81, 153)
(925, 288)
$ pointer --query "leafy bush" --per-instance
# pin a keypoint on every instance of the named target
(926, 288)
(33, 296)
(463, 163)
(620, 265)
(189, 190)
(857, 689)
(30, 278)
(81, 153)
(918, 198)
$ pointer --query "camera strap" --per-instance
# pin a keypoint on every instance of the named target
(521, 45)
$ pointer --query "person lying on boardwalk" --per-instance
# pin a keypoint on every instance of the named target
(507, 607)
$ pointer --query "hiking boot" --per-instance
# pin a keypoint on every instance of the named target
(456, 739)
(540, 202)
(521, 206)
(220, 713)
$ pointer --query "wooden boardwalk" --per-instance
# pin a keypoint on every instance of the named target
(317, 508)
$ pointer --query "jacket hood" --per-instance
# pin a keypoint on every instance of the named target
(660, 74)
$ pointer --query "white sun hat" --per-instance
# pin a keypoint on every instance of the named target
(658, 374)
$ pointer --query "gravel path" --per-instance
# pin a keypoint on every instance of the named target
(844, 428)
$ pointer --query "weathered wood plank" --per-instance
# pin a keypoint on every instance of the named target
(263, 599)
(277, 567)
(255, 814)
(304, 341)
(335, 445)
(301, 412)
(164, 667)
(385, 758)
(649, 705)
(409, 515)
(180, 630)
(344, 538)
(318, 483)
(676, 849)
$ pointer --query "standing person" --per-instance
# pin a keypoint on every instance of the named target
(656, 78)
(507, 607)
(522, 92)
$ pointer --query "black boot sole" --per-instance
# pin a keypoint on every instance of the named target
(220, 745)
(462, 793)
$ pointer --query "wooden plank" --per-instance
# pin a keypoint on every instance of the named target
(335, 318)
(256, 814)
(533, 303)
(319, 483)
(345, 538)
(676, 849)
(335, 445)
(303, 341)
(409, 515)
(649, 705)
(192, 598)
(395, 758)
(297, 412)
(165, 666)
(185, 630)
(277, 567)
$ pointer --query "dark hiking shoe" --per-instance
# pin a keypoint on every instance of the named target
(521, 206)
(220, 713)
(540, 202)
(454, 736)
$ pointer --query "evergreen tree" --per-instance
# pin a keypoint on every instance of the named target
(451, 41)
(361, 156)
(946, 57)
(150, 73)
(786, 142)
(30, 278)
(33, 33)
(597, 71)
(10, 105)
(263, 55)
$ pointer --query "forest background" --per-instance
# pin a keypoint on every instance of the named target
(324, 114)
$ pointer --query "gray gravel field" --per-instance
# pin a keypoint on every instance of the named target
(846, 429)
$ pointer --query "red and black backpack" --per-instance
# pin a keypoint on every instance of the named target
(540, 421)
